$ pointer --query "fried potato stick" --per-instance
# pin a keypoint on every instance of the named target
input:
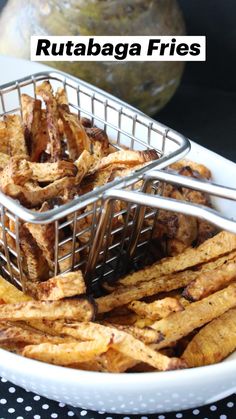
(214, 342)
(211, 281)
(196, 315)
(223, 242)
(73, 309)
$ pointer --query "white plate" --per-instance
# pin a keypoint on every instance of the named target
(126, 393)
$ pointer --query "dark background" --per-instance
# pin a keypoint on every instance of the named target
(204, 107)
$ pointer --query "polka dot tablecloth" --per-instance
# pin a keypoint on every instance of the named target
(16, 403)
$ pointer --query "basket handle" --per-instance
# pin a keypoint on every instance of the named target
(169, 204)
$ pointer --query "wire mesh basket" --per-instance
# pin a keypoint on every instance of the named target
(73, 226)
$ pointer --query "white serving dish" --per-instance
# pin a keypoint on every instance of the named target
(136, 393)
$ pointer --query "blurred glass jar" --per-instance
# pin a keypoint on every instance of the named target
(146, 85)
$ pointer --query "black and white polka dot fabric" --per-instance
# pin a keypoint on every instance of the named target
(16, 403)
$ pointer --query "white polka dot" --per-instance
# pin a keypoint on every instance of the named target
(11, 410)
(45, 406)
(126, 417)
(36, 398)
(19, 400)
(230, 404)
(161, 417)
(83, 412)
(3, 380)
(61, 404)
(70, 413)
(36, 417)
(11, 389)
(3, 401)
(109, 417)
(179, 415)
(144, 417)
(213, 408)
(223, 417)
(28, 408)
(54, 415)
(20, 417)
(196, 412)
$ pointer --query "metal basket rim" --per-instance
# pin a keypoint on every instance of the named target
(75, 204)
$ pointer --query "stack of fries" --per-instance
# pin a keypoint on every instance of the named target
(176, 313)
(179, 312)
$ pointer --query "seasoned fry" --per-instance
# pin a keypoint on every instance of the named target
(128, 157)
(10, 294)
(35, 265)
(158, 309)
(122, 342)
(211, 281)
(35, 123)
(72, 309)
(146, 334)
(224, 242)
(4, 140)
(44, 236)
(83, 165)
(45, 91)
(49, 172)
(66, 353)
(58, 287)
(124, 295)
(17, 144)
(4, 160)
(20, 332)
(214, 342)
(77, 138)
(200, 168)
(31, 194)
(195, 315)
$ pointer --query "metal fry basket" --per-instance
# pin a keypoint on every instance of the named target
(75, 224)
(98, 231)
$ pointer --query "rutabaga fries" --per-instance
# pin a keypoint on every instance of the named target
(16, 139)
(66, 353)
(224, 242)
(211, 281)
(35, 124)
(126, 294)
(4, 160)
(35, 265)
(178, 325)
(214, 342)
(200, 168)
(128, 157)
(121, 341)
(45, 91)
(4, 140)
(58, 287)
(10, 294)
(146, 334)
(158, 309)
(20, 332)
(77, 138)
(81, 309)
